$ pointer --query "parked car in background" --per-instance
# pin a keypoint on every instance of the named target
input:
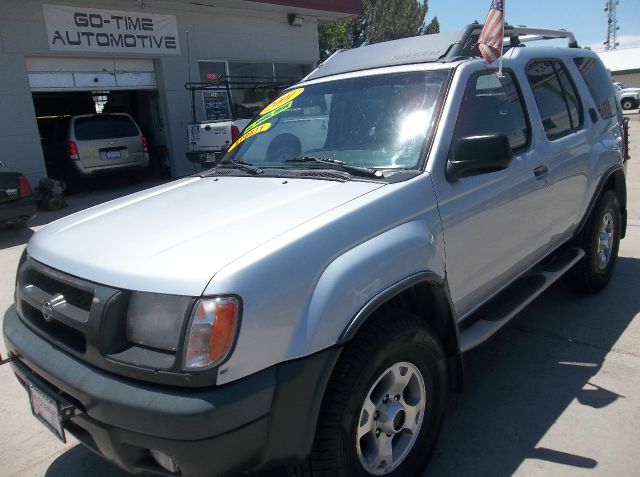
(17, 204)
(629, 98)
(88, 144)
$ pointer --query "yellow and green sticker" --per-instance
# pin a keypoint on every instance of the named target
(285, 98)
(269, 115)
(258, 129)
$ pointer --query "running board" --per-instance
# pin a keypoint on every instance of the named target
(500, 310)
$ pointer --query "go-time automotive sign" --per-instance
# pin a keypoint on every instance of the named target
(94, 30)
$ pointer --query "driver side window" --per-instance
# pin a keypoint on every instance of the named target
(493, 105)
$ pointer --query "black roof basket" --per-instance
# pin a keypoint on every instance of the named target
(466, 46)
(444, 47)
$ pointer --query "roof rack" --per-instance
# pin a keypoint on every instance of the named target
(443, 47)
(466, 46)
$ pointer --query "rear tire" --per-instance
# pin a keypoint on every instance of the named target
(396, 355)
(600, 240)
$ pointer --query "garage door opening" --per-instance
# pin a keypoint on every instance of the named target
(55, 111)
(64, 87)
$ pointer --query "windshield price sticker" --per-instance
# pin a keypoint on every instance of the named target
(262, 128)
(269, 115)
(285, 98)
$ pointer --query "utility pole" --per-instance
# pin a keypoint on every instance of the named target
(612, 25)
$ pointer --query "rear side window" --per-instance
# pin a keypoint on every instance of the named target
(556, 97)
(599, 84)
(493, 105)
(104, 126)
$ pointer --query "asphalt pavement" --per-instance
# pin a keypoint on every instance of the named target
(556, 392)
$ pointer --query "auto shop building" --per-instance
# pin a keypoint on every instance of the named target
(62, 58)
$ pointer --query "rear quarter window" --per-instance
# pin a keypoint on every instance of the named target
(104, 127)
(555, 96)
(599, 84)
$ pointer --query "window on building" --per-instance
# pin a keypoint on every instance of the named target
(493, 105)
(599, 84)
(556, 98)
(210, 71)
(250, 101)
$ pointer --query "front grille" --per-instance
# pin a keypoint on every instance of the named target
(77, 297)
(62, 309)
(61, 333)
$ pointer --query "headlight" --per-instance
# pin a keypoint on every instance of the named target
(211, 333)
(155, 320)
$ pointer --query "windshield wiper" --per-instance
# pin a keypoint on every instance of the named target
(361, 171)
(243, 166)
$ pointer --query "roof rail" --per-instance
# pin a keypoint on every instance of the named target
(467, 43)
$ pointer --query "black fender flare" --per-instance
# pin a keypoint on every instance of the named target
(448, 318)
(617, 175)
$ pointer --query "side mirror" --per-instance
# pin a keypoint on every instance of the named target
(473, 155)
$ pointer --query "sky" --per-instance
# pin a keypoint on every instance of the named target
(585, 18)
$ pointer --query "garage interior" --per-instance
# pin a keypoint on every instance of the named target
(65, 87)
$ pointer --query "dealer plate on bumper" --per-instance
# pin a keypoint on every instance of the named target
(46, 410)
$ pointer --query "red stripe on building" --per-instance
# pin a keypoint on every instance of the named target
(352, 7)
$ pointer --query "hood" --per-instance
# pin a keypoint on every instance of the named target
(174, 238)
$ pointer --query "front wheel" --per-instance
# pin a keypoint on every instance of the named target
(385, 402)
(628, 104)
(600, 240)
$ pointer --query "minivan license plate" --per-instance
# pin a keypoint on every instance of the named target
(46, 410)
(113, 154)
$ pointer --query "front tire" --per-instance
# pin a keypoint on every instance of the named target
(628, 104)
(600, 240)
(383, 408)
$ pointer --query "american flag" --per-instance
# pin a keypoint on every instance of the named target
(490, 41)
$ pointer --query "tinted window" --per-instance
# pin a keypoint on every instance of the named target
(249, 102)
(599, 84)
(571, 95)
(553, 102)
(104, 126)
(210, 71)
(493, 105)
(296, 71)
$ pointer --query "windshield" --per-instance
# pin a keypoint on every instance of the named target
(376, 122)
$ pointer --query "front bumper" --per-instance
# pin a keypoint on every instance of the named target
(258, 422)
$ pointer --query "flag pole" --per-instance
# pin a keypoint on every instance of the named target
(504, 18)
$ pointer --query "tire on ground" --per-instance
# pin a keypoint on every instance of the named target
(391, 337)
(589, 275)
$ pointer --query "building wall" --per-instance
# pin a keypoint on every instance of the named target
(632, 80)
(213, 34)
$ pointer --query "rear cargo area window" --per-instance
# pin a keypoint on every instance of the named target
(104, 126)
(599, 84)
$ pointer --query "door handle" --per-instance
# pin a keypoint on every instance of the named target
(541, 171)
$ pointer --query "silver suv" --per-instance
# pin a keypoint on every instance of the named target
(306, 302)
(106, 142)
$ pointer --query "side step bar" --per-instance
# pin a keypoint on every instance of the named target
(500, 310)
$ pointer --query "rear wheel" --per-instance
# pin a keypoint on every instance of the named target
(384, 405)
(600, 240)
